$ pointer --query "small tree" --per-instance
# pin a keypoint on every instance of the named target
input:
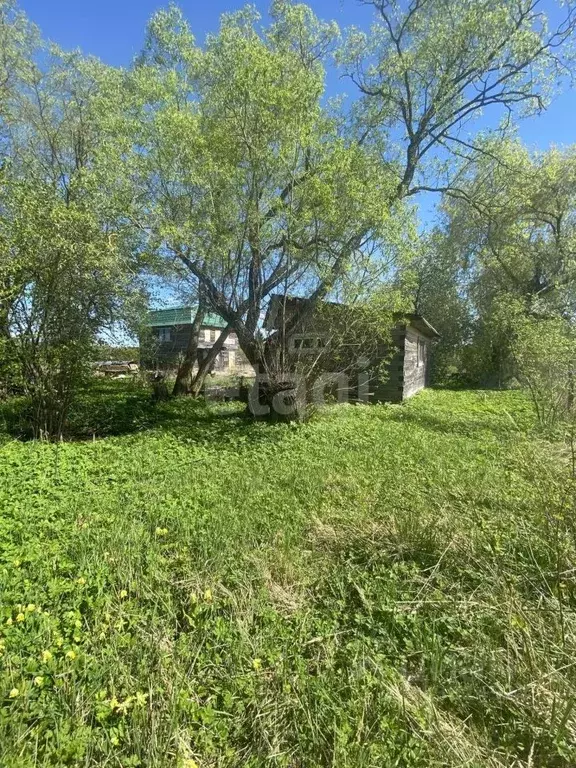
(545, 354)
(67, 282)
(68, 259)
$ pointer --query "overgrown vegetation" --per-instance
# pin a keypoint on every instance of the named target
(497, 275)
(184, 587)
(381, 586)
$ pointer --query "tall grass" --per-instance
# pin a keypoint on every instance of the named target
(384, 586)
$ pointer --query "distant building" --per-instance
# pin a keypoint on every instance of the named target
(115, 368)
(406, 355)
(166, 342)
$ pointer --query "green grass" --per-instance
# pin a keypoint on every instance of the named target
(383, 586)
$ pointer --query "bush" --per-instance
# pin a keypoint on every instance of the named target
(544, 352)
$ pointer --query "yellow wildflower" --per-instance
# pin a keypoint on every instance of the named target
(81, 581)
(39, 680)
(208, 595)
(71, 655)
(123, 594)
(9, 622)
(30, 607)
(161, 531)
(257, 664)
(46, 656)
(20, 617)
(14, 693)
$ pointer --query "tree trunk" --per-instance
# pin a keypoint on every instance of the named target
(277, 401)
(159, 388)
(276, 394)
(205, 367)
(182, 385)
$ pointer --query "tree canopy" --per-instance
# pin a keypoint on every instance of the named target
(428, 68)
(250, 181)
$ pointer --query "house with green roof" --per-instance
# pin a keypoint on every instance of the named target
(168, 334)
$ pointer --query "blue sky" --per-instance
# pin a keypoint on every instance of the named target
(114, 30)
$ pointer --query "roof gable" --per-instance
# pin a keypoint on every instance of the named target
(422, 325)
(181, 316)
(281, 305)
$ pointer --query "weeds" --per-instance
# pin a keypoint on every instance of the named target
(384, 586)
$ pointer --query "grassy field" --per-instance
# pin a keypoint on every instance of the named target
(383, 586)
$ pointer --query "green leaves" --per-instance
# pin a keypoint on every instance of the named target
(544, 353)
(353, 590)
(510, 246)
(430, 67)
(68, 257)
(18, 41)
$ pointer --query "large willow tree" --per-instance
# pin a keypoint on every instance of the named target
(251, 182)
(256, 187)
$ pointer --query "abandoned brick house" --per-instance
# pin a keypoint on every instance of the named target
(169, 333)
(407, 355)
